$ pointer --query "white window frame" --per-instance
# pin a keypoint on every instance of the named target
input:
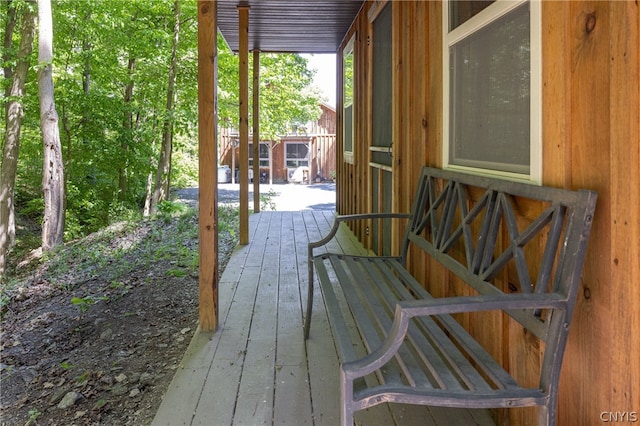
(488, 15)
(307, 159)
(348, 154)
(266, 160)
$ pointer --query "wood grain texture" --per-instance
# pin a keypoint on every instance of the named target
(207, 155)
(218, 380)
(256, 131)
(590, 139)
(243, 57)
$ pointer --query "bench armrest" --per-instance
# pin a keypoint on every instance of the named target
(406, 310)
(350, 217)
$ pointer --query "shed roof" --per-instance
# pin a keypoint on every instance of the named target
(289, 26)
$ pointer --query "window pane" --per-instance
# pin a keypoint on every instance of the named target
(264, 150)
(490, 95)
(347, 93)
(297, 150)
(297, 154)
(348, 128)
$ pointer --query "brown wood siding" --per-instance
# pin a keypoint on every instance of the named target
(323, 153)
(353, 178)
(322, 156)
(598, 105)
(591, 139)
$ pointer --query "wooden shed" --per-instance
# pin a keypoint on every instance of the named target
(313, 147)
(404, 85)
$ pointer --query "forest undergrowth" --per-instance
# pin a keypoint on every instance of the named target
(92, 332)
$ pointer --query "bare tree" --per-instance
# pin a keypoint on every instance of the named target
(163, 173)
(14, 115)
(53, 168)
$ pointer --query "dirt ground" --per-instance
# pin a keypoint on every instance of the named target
(92, 335)
(97, 341)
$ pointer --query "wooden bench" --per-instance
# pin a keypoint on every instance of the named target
(519, 247)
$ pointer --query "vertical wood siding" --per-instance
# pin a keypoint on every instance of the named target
(320, 137)
(591, 139)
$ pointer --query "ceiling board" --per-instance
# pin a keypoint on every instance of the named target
(297, 26)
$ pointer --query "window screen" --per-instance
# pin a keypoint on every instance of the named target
(489, 87)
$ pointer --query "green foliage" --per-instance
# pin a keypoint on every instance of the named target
(286, 94)
(111, 142)
(228, 219)
(34, 413)
(177, 273)
(185, 166)
(286, 98)
(267, 201)
(171, 208)
(5, 296)
(84, 303)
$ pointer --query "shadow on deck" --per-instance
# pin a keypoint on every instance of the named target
(257, 369)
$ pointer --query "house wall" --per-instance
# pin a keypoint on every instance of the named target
(591, 139)
(322, 156)
(326, 124)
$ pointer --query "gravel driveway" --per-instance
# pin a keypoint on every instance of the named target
(279, 197)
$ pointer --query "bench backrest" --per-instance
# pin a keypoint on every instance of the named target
(504, 237)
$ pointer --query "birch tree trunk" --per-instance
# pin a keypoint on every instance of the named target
(164, 163)
(14, 115)
(53, 169)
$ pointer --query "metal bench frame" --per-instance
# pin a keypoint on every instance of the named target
(415, 352)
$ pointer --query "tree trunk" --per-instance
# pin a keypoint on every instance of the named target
(14, 115)
(146, 210)
(53, 169)
(127, 125)
(164, 163)
(9, 26)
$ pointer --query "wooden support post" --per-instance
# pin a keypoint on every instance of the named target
(256, 131)
(243, 161)
(207, 155)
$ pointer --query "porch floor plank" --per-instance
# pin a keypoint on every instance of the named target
(256, 369)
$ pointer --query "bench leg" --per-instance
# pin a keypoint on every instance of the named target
(346, 400)
(547, 413)
(307, 317)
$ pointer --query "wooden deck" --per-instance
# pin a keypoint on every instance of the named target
(256, 369)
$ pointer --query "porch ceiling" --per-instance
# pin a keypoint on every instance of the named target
(289, 26)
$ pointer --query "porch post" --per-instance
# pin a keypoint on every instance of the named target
(243, 161)
(256, 131)
(207, 156)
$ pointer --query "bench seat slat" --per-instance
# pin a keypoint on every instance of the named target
(439, 355)
(485, 362)
(371, 335)
(341, 334)
(448, 349)
(408, 361)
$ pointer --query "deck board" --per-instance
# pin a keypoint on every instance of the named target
(257, 369)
